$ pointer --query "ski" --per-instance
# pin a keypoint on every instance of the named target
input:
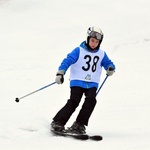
(96, 137)
(75, 136)
(78, 136)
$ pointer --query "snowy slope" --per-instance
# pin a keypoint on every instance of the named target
(36, 35)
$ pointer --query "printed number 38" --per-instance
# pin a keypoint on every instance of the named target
(88, 63)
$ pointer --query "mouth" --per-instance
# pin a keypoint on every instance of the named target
(93, 47)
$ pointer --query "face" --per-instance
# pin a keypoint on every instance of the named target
(93, 43)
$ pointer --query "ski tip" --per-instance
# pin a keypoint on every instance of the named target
(96, 137)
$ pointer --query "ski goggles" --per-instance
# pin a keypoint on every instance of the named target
(96, 35)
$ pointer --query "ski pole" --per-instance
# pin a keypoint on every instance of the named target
(101, 85)
(18, 99)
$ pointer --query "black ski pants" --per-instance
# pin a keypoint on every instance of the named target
(75, 97)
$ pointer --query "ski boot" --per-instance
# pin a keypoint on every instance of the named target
(56, 126)
(77, 128)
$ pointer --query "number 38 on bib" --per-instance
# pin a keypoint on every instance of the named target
(88, 66)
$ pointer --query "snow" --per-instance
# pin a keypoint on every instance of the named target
(34, 38)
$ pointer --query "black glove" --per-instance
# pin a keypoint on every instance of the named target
(60, 77)
(110, 71)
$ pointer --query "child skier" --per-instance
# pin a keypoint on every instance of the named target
(85, 62)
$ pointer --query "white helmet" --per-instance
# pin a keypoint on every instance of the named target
(94, 32)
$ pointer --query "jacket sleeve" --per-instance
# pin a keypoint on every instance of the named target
(70, 59)
(106, 62)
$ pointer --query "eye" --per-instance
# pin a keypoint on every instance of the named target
(92, 40)
(97, 41)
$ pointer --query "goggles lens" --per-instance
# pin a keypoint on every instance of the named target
(96, 35)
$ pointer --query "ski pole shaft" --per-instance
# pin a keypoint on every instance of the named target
(101, 85)
(18, 99)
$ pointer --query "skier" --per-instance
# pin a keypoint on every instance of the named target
(85, 62)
